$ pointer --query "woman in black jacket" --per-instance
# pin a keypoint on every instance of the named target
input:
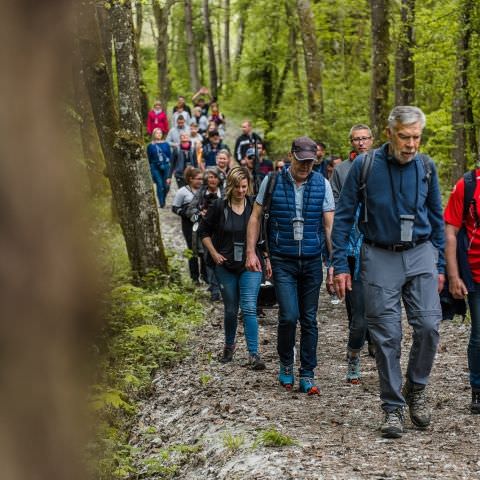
(223, 231)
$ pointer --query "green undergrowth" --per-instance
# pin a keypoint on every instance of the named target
(148, 327)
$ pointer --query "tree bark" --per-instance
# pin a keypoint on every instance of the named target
(212, 65)
(127, 67)
(191, 50)
(404, 64)
(106, 35)
(293, 48)
(242, 19)
(313, 66)
(219, 47)
(380, 66)
(465, 145)
(226, 45)
(138, 36)
(161, 13)
(124, 154)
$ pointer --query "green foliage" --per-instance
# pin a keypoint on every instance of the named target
(273, 438)
(233, 442)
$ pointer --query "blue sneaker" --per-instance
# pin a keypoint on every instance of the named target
(307, 385)
(353, 370)
(286, 377)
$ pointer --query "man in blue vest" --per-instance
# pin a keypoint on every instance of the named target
(401, 259)
(299, 226)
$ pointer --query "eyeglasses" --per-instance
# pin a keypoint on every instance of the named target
(360, 139)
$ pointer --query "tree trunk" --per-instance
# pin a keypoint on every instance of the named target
(226, 45)
(127, 67)
(293, 48)
(313, 66)
(212, 66)
(380, 66)
(404, 65)
(103, 15)
(462, 115)
(191, 48)
(242, 18)
(124, 154)
(219, 49)
(161, 13)
(145, 107)
(92, 153)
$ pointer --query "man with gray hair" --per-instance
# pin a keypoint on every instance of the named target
(402, 259)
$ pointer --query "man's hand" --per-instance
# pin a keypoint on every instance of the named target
(330, 283)
(268, 269)
(168, 181)
(343, 282)
(457, 287)
(253, 263)
(441, 281)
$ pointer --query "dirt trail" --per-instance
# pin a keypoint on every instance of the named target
(201, 403)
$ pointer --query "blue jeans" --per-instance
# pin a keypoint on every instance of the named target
(240, 289)
(474, 343)
(297, 285)
(159, 176)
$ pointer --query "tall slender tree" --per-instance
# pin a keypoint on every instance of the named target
(191, 48)
(124, 154)
(226, 43)
(212, 64)
(380, 65)
(465, 145)
(404, 64)
(242, 20)
(313, 65)
(139, 18)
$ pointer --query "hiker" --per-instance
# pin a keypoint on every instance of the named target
(200, 119)
(217, 118)
(401, 259)
(200, 102)
(211, 148)
(157, 118)
(331, 162)
(463, 264)
(252, 162)
(159, 154)
(223, 231)
(320, 166)
(181, 201)
(173, 137)
(223, 165)
(203, 199)
(300, 221)
(361, 140)
(181, 104)
(248, 139)
(183, 156)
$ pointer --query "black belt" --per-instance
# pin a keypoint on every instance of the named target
(397, 247)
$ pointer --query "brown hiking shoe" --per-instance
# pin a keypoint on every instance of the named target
(416, 399)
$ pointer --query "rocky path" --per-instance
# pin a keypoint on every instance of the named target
(205, 420)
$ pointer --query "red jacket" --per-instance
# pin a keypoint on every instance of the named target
(157, 120)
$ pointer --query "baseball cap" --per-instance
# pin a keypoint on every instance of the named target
(304, 148)
(251, 152)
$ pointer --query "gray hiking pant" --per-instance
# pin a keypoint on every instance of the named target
(388, 277)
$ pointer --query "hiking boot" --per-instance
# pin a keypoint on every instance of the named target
(255, 362)
(372, 350)
(307, 385)
(353, 370)
(416, 399)
(475, 405)
(392, 426)
(286, 377)
(215, 297)
(227, 355)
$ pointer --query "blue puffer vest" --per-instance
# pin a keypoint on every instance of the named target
(282, 212)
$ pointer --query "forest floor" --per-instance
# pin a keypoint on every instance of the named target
(205, 420)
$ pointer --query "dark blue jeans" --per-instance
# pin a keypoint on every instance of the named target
(474, 343)
(159, 176)
(240, 289)
(297, 285)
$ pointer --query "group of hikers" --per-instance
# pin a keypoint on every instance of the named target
(374, 223)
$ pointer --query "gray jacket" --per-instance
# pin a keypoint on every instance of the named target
(338, 178)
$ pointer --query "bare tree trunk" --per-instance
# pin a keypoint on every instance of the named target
(292, 46)
(127, 67)
(404, 65)
(124, 154)
(380, 66)
(138, 35)
(226, 44)
(191, 50)
(212, 66)
(219, 49)
(462, 114)
(46, 298)
(242, 18)
(161, 13)
(106, 36)
(313, 66)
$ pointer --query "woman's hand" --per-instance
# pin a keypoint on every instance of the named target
(268, 268)
(218, 258)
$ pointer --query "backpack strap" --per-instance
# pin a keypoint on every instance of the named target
(470, 180)
(267, 202)
(364, 174)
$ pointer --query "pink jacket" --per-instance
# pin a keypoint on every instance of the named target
(157, 120)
